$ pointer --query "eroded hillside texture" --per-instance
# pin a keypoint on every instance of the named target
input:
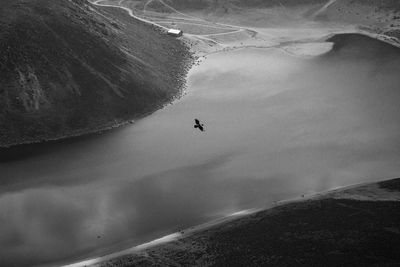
(68, 67)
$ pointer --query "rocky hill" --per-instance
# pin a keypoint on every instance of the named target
(68, 68)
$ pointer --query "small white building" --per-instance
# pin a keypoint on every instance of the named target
(175, 32)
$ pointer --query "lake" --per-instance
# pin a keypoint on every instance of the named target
(276, 127)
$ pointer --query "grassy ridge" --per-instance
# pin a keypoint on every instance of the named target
(67, 67)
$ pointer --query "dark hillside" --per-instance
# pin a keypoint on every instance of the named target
(68, 68)
(328, 231)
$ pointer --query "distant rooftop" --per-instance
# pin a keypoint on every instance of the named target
(175, 32)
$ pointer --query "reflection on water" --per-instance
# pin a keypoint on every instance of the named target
(277, 127)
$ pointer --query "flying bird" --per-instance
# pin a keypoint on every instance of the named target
(198, 125)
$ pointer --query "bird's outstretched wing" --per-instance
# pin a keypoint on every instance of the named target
(196, 121)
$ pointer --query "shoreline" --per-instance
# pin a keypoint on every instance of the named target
(188, 63)
(108, 126)
(195, 59)
(98, 130)
(177, 237)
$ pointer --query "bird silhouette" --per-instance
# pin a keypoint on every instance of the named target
(198, 125)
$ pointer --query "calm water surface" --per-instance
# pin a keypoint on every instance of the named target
(276, 127)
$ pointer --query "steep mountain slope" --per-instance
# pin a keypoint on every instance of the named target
(67, 68)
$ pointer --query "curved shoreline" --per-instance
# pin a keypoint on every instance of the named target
(116, 123)
(188, 64)
(203, 227)
(195, 229)
(337, 192)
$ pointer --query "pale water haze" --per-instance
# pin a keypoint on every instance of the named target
(277, 127)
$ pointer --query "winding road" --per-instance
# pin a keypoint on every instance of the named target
(130, 11)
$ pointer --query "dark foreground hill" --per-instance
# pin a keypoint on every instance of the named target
(358, 226)
(68, 67)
